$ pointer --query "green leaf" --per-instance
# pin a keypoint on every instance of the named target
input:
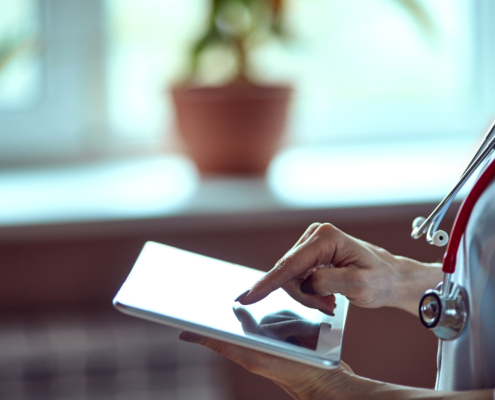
(420, 15)
(11, 47)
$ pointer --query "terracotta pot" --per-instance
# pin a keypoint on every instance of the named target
(232, 129)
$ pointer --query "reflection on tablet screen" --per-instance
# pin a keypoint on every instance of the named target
(281, 318)
(285, 326)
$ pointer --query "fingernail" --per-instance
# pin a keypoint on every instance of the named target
(191, 337)
(307, 286)
(242, 295)
(332, 314)
(235, 313)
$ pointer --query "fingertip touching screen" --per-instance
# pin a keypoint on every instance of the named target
(194, 292)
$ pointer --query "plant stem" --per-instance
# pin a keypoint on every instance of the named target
(241, 59)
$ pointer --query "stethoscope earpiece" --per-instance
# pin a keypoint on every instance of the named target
(440, 238)
(418, 221)
(430, 225)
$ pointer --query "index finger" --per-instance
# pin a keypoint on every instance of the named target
(309, 254)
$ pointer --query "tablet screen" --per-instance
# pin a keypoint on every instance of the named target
(195, 292)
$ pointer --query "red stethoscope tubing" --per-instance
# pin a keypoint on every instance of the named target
(461, 221)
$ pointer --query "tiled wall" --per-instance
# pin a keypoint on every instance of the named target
(100, 357)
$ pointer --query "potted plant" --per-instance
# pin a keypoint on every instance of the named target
(237, 127)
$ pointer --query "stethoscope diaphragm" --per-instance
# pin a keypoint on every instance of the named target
(444, 314)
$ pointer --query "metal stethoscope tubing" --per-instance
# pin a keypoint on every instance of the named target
(430, 225)
(444, 310)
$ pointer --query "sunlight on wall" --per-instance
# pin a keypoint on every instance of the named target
(374, 175)
(107, 190)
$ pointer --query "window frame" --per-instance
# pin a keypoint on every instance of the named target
(68, 121)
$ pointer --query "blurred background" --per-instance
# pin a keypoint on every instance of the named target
(223, 127)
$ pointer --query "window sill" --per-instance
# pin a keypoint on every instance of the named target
(165, 192)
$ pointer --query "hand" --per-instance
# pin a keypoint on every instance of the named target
(285, 326)
(325, 261)
(304, 382)
(301, 381)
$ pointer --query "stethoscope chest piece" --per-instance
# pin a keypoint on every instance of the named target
(444, 312)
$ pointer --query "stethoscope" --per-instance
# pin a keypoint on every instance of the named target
(444, 310)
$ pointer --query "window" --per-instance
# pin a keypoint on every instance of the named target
(20, 66)
(66, 118)
(364, 70)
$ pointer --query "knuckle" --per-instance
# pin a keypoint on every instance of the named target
(328, 236)
(314, 225)
(286, 259)
(283, 261)
(327, 228)
(328, 231)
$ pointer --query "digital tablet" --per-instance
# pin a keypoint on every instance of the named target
(196, 293)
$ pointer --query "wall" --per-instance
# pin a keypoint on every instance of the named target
(78, 273)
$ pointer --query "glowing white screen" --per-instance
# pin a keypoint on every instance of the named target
(191, 288)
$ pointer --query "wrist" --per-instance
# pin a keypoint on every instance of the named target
(359, 387)
(362, 388)
(349, 388)
(413, 279)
